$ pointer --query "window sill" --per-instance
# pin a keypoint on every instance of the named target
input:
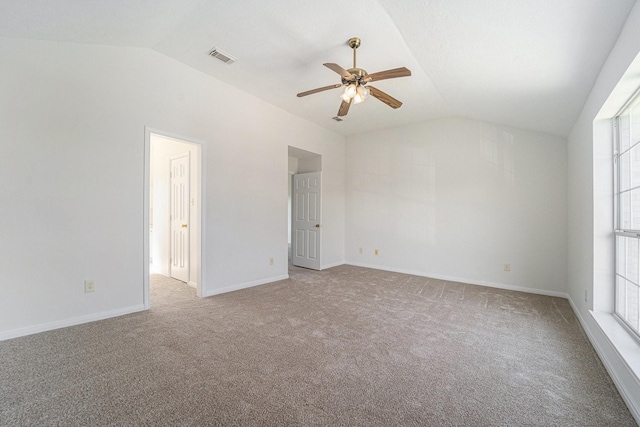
(627, 346)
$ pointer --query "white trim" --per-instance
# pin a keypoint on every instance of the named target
(146, 222)
(616, 364)
(43, 327)
(232, 288)
(201, 178)
(465, 280)
(192, 284)
(335, 264)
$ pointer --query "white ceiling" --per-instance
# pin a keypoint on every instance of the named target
(529, 64)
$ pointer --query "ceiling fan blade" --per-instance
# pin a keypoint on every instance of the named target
(388, 74)
(338, 69)
(344, 108)
(320, 89)
(387, 99)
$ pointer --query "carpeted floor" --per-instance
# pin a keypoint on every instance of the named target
(345, 346)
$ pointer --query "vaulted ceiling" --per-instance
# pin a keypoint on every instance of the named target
(528, 64)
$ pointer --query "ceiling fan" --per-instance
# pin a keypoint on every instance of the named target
(356, 82)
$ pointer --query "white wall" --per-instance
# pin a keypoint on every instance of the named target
(584, 155)
(310, 164)
(72, 129)
(590, 248)
(456, 199)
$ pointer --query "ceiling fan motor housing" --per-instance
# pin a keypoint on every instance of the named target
(359, 74)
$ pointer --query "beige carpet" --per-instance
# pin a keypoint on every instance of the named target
(345, 346)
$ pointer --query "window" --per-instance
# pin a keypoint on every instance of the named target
(627, 214)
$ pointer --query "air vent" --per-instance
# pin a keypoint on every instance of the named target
(222, 56)
(337, 119)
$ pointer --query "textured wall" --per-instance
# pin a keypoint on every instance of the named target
(458, 199)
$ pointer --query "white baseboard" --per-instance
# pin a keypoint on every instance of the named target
(232, 288)
(623, 375)
(464, 280)
(335, 264)
(194, 285)
(20, 332)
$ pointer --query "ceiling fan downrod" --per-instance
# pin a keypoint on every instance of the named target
(354, 43)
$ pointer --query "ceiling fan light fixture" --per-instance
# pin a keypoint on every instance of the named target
(358, 99)
(363, 92)
(350, 90)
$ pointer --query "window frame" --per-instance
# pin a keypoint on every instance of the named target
(617, 212)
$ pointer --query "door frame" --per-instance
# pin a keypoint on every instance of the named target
(200, 172)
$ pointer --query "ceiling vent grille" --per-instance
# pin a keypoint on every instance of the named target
(222, 56)
(337, 119)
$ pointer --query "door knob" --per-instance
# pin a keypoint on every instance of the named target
(184, 225)
(317, 225)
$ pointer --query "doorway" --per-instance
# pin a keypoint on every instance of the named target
(173, 210)
(305, 209)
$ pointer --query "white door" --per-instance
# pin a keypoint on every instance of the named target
(306, 238)
(180, 217)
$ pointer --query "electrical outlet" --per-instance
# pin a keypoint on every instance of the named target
(377, 252)
(89, 286)
(507, 267)
(360, 250)
(270, 261)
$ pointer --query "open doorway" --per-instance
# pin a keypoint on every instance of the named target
(173, 196)
(304, 208)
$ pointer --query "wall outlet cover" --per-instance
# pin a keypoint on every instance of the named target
(89, 286)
